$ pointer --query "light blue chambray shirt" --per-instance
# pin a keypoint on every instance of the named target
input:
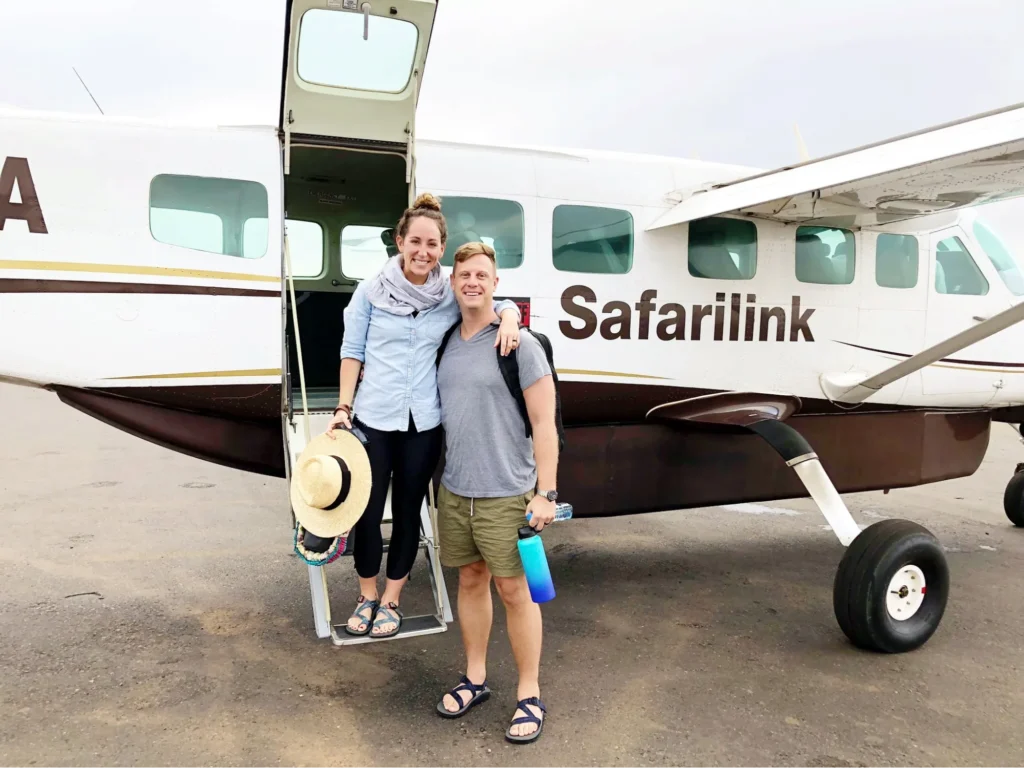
(398, 354)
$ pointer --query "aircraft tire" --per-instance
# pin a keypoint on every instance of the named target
(1013, 499)
(877, 581)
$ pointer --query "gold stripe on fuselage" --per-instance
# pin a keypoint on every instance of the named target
(202, 375)
(131, 269)
(578, 372)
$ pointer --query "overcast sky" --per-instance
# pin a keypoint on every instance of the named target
(720, 79)
(724, 79)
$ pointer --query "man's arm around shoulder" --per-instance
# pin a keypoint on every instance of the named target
(540, 405)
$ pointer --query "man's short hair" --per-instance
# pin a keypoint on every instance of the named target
(469, 250)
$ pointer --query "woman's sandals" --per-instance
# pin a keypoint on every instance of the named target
(379, 614)
(387, 614)
(362, 604)
(478, 695)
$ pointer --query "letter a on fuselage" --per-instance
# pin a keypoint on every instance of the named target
(29, 210)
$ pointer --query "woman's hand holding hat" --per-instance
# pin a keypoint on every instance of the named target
(342, 418)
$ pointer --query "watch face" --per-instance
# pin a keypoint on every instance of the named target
(551, 495)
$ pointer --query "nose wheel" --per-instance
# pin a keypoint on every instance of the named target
(1013, 497)
(891, 587)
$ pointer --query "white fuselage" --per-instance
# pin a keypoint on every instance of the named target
(654, 323)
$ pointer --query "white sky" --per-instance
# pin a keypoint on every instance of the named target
(721, 79)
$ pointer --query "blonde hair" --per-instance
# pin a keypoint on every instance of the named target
(469, 250)
(428, 206)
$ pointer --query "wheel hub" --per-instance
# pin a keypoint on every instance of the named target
(906, 592)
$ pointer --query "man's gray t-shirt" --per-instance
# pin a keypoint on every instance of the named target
(488, 454)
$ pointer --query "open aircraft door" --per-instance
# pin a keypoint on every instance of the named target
(353, 72)
(352, 75)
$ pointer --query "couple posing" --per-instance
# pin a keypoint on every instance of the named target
(494, 475)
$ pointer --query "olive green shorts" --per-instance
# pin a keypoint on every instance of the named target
(470, 530)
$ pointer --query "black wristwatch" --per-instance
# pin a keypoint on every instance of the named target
(549, 495)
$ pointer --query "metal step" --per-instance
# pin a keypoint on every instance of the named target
(412, 626)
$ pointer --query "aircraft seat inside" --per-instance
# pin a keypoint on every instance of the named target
(896, 267)
(940, 277)
(841, 258)
(713, 261)
(813, 264)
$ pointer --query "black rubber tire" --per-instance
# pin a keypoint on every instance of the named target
(863, 576)
(1013, 499)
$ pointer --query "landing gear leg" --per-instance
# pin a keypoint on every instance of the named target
(892, 584)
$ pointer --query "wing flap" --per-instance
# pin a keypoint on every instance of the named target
(958, 165)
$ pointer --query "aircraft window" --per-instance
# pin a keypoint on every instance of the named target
(254, 236)
(825, 256)
(306, 247)
(722, 249)
(365, 250)
(498, 223)
(590, 239)
(955, 270)
(1001, 258)
(332, 51)
(209, 214)
(896, 261)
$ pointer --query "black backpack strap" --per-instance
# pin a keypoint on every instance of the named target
(444, 341)
(509, 367)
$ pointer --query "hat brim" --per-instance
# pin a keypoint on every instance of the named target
(337, 521)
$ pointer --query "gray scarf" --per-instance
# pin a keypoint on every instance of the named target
(391, 290)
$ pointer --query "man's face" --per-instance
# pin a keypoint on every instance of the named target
(474, 282)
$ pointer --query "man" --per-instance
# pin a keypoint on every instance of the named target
(494, 476)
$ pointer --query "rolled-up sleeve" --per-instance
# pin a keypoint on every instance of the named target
(357, 321)
(501, 306)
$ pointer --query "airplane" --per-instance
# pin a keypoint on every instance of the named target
(722, 334)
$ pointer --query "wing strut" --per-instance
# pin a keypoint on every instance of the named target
(845, 387)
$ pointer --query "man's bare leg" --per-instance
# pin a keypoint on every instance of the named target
(475, 615)
(525, 632)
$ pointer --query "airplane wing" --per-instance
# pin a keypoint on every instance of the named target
(968, 162)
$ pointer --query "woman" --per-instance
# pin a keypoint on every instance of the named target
(393, 328)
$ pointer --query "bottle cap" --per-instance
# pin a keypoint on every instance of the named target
(526, 532)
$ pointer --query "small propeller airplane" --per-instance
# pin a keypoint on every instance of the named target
(722, 334)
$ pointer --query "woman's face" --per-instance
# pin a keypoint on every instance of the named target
(421, 248)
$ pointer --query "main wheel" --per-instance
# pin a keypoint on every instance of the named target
(1013, 499)
(891, 587)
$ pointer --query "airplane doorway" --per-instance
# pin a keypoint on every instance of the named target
(340, 205)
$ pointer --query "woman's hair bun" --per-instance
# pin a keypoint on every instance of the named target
(427, 201)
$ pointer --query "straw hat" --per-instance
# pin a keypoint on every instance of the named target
(331, 483)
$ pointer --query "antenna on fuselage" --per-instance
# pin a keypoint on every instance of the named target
(87, 90)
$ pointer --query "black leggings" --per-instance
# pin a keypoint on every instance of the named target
(408, 460)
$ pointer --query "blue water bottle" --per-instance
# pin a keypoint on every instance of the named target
(535, 564)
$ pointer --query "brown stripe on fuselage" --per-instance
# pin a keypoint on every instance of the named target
(953, 360)
(22, 285)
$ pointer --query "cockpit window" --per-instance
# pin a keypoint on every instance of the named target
(332, 51)
(1001, 258)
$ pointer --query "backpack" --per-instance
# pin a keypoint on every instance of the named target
(509, 367)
